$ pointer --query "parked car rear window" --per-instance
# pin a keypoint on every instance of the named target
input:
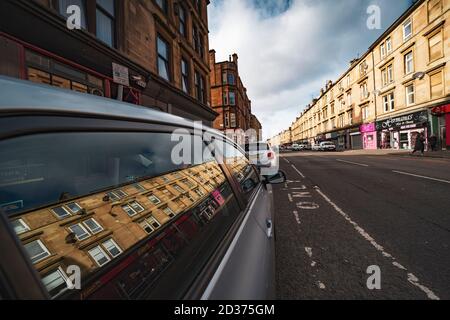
(115, 205)
(257, 147)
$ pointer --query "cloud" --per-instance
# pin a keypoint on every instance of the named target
(288, 49)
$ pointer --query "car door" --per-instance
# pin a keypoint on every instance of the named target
(247, 270)
(102, 197)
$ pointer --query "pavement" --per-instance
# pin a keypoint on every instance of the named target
(346, 220)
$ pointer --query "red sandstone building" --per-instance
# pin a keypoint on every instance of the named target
(151, 53)
(229, 98)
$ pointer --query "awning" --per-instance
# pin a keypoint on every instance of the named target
(441, 109)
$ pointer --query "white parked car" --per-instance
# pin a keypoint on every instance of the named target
(327, 146)
(315, 147)
(296, 147)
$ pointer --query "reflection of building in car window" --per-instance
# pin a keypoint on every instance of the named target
(83, 240)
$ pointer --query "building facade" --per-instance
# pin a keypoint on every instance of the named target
(256, 126)
(229, 98)
(151, 53)
(396, 91)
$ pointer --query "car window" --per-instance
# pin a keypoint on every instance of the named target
(257, 147)
(115, 206)
(242, 170)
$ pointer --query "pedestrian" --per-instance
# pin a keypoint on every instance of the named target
(419, 145)
(433, 142)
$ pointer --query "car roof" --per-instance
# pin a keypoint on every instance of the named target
(20, 96)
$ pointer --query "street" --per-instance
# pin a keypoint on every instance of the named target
(340, 214)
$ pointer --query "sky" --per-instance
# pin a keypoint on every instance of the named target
(288, 49)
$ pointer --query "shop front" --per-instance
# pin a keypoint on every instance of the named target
(442, 123)
(369, 135)
(401, 132)
(356, 142)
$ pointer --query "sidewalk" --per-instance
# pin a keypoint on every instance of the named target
(445, 154)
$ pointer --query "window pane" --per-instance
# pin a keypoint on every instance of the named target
(105, 28)
(93, 226)
(112, 248)
(61, 212)
(162, 48)
(36, 251)
(79, 231)
(19, 226)
(107, 5)
(54, 283)
(99, 256)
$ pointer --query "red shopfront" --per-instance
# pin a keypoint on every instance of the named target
(443, 112)
(25, 61)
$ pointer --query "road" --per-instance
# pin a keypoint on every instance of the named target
(339, 218)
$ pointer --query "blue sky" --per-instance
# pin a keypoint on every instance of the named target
(289, 48)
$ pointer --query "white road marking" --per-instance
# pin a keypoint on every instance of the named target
(286, 160)
(297, 218)
(290, 197)
(321, 285)
(313, 264)
(419, 176)
(355, 163)
(301, 174)
(410, 277)
(308, 205)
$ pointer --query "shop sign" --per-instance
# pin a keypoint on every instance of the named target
(368, 127)
(403, 122)
(441, 110)
(121, 75)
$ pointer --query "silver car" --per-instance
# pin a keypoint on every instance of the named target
(94, 204)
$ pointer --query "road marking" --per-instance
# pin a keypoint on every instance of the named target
(313, 264)
(355, 163)
(301, 174)
(308, 205)
(286, 160)
(410, 277)
(419, 176)
(321, 285)
(290, 197)
(297, 218)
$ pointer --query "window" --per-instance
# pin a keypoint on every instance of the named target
(225, 98)
(436, 49)
(79, 231)
(99, 255)
(437, 85)
(199, 192)
(154, 199)
(388, 46)
(407, 30)
(233, 120)
(227, 120)
(112, 247)
(133, 208)
(182, 20)
(349, 99)
(410, 98)
(163, 58)
(105, 21)
(364, 91)
(231, 79)
(93, 226)
(150, 224)
(387, 75)
(139, 187)
(184, 76)
(365, 112)
(350, 117)
(349, 80)
(61, 212)
(169, 212)
(409, 63)
(20, 226)
(232, 98)
(388, 102)
(56, 282)
(188, 183)
(64, 4)
(74, 207)
(382, 50)
(434, 9)
(224, 78)
(199, 87)
(162, 4)
(198, 5)
(195, 37)
(178, 188)
(36, 251)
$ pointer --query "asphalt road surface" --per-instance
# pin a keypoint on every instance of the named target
(343, 222)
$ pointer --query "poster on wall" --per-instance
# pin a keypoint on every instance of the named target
(412, 120)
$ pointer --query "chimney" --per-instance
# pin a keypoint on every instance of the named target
(212, 58)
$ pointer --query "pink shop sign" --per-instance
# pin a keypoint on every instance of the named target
(368, 127)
